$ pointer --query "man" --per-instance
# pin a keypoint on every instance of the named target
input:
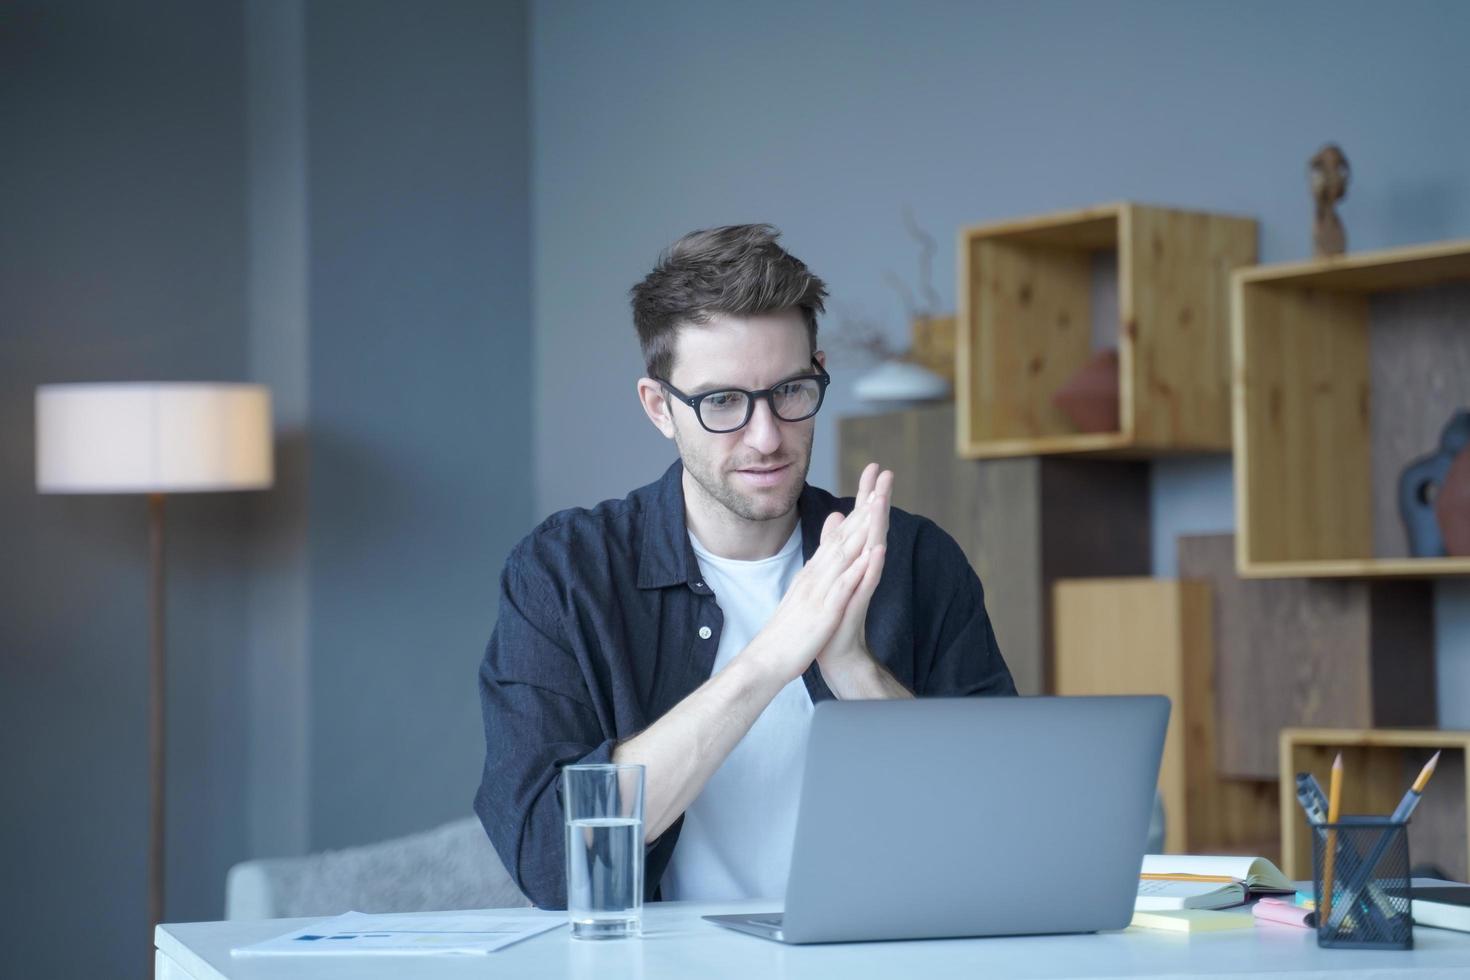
(691, 625)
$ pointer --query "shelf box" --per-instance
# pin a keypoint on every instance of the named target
(1378, 766)
(1304, 409)
(1027, 298)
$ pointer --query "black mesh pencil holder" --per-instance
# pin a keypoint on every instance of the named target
(1360, 873)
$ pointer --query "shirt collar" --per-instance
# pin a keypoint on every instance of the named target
(667, 558)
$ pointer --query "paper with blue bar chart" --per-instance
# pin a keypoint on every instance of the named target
(433, 934)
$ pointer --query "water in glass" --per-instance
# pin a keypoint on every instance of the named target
(605, 877)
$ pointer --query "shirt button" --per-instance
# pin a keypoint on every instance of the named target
(705, 632)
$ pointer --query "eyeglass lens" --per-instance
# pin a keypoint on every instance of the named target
(793, 401)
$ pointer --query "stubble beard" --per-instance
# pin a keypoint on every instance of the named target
(719, 486)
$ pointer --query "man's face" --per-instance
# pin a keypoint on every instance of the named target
(757, 472)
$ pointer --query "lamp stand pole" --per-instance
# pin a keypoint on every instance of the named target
(155, 717)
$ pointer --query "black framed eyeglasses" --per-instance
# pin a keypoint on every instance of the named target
(728, 409)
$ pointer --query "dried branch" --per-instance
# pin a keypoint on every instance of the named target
(927, 249)
(864, 335)
(905, 296)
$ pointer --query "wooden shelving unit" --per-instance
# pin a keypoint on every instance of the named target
(1154, 636)
(1025, 326)
(1378, 766)
(1304, 405)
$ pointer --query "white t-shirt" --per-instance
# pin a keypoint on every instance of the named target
(738, 833)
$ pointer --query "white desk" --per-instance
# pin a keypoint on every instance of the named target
(677, 944)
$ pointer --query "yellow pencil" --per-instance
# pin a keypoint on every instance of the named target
(1334, 809)
(1425, 773)
(1411, 798)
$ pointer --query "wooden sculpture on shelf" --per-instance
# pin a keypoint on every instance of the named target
(1328, 171)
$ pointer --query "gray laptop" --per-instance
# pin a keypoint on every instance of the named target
(969, 817)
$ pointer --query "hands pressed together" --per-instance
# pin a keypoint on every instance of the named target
(822, 615)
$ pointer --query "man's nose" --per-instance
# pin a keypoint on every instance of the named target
(763, 431)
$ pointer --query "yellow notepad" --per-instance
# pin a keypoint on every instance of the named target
(1193, 920)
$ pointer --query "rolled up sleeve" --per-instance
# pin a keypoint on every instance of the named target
(538, 717)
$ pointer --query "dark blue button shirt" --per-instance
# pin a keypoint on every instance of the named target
(606, 623)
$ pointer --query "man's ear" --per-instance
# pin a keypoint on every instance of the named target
(656, 406)
(821, 358)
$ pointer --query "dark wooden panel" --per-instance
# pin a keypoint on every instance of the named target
(1095, 522)
(1307, 653)
(1420, 364)
(1401, 644)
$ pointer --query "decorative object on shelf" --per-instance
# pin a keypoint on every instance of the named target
(154, 439)
(925, 370)
(1328, 173)
(1309, 397)
(899, 383)
(1090, 397)
(1429, 501)
(933, 345)
(1453, 506)
(1030, 316)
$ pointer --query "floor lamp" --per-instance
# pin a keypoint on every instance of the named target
(154, 439)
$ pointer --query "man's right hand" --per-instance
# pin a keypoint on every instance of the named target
(812, 608)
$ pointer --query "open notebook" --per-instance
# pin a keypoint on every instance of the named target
(1205, 881)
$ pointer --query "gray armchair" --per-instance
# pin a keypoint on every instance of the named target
(449, 867)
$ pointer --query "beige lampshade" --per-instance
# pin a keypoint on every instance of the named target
(153, 438)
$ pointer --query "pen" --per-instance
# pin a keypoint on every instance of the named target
(1311, 805)
(1317, 793)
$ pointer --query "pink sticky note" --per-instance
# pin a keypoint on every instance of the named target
(1286, 913)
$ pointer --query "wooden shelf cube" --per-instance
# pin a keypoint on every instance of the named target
(1023, 523)
(1027, 320)
(1154, 636)
(1309, 421)
(1378, 766)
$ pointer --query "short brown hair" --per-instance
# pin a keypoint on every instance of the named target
(736, 270)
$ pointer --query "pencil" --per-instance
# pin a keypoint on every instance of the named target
(1425, 773)
(1334, 808)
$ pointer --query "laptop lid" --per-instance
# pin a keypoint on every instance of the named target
(973, 816)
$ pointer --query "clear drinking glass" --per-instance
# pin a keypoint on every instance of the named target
(604, 809)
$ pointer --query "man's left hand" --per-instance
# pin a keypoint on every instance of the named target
(845, 662)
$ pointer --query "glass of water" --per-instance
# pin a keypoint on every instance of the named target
(604, 808)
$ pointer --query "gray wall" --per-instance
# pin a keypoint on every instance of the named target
(331, 198)
(420, 392)
(828, 118)
(121, 258)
